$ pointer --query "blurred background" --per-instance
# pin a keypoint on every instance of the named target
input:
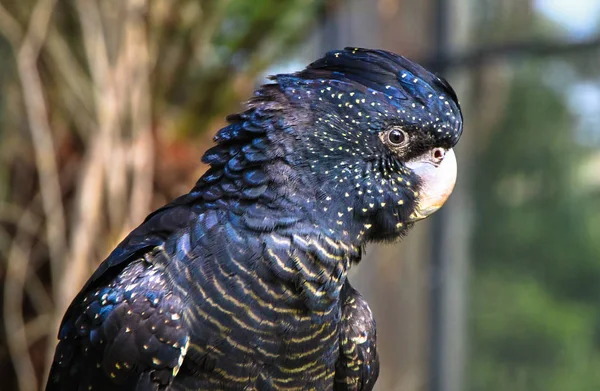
(107, 105)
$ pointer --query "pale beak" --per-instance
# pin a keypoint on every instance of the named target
(437, 171)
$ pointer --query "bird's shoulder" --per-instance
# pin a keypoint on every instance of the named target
(126, 322)
(127, 330)
(156, 229)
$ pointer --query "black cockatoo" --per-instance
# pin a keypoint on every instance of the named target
(241, 284)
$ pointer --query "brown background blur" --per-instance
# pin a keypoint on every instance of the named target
(107, 105)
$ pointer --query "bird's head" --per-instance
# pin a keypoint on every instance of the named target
(360, 141)
(380, 137)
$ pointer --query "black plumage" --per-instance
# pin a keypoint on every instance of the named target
(241, 284)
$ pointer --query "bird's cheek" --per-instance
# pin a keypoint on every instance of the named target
(437, 172)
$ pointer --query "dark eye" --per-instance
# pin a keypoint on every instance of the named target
(396, 137)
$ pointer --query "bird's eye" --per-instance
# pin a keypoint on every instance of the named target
(396, 137)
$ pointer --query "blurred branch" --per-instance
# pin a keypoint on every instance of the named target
(37, 113)
(479, 56)
(77, 91)
(10, 27)
(16, 274)
(11, 213)
(38, 296)
(41, 133)
(89, 193)
(37, 328)
(136, 51)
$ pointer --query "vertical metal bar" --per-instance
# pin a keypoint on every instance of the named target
(436, 316)
(436, 304)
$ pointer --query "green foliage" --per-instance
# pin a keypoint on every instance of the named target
(224, 49)
(535, 314)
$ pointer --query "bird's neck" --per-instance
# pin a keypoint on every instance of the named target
(310, 239)
(303, 238)
(313, 265)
